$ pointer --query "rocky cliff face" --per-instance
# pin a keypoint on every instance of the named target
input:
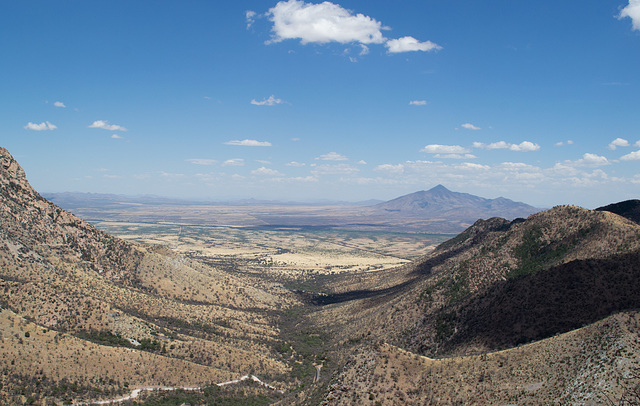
(31, 223)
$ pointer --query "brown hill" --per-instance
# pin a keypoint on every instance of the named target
(71, 293)
(494, 287)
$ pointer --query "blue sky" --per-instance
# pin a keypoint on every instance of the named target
(351, 100)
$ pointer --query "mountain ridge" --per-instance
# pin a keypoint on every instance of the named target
(66, 286)
(441, 202)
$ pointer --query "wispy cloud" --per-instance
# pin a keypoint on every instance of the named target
(202, 161)
(249, 143)
(444, 149)
(40, 127)
(332, 156)
(470, 126)
(233, 162)
(525, 146)
(295, 164)
(250, 16)
(632, 10)
(117, 137)
(106, 126)
(336, 169)
(455, 156)
(263, 171)
(390, 168)
(561, 143)
(271, 101)
(418, 103)
(59, 104)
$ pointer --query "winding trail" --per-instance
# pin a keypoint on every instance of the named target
(136, 392)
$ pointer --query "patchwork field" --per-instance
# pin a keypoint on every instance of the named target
(286, 253)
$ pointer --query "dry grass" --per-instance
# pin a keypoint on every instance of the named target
(588, 366)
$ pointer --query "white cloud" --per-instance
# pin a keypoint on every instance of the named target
(332, 156)
(233, 162)
(59, 104)
(249, 143)
(106, 126)
(470, 126)
(250, 17)
(408, 44)
(525, 146)
(591, 160)
(418, 103)
(117, 137)
(40, 127)
(561, 143)
(295, 164)
(322, 23)
(328, 22)
(637, 144)
(201, 161)
(362, 162)
(455, 156)
(444, 149)
(338, 169)
(390, 168)
(271, 101)
(632, 10)
(634, 156)
(498, 145)
(618, 142)
(266, 172)
(172, 176)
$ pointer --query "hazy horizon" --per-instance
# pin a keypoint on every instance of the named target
(339, 101)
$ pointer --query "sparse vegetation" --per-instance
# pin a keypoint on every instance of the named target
(530, 312)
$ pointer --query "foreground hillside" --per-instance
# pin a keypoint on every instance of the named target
(82, 309)
(496, 315)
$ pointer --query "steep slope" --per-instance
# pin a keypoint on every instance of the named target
(496, 286)
(440, 202)
(629, 209)
(64, 275)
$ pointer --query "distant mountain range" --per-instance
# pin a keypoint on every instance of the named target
(74, 200)
(437, 210)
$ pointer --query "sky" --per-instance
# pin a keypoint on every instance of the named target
(351, 100)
